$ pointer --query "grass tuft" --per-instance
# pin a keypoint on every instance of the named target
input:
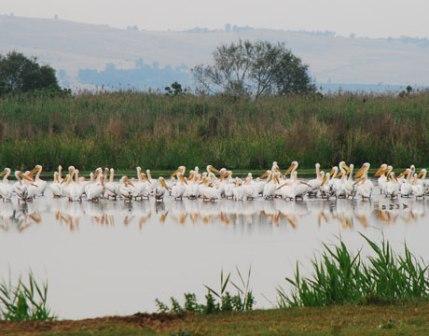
(25, 301)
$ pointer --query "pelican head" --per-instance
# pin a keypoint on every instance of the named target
(422, 174)
(149, 176)
(162, 182)
(362, 170)
(334, 172)
(381, 171)
(293, 166)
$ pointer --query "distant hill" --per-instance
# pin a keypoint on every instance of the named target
(87, 55)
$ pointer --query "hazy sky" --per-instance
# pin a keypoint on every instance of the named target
(376, 18)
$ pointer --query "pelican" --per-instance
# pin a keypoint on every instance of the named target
(293, 167)
(271, 185)
(111, 187)
(22, 186)
(238, 190)
(160, 189)
(325, 188)
(405, 188)
(126, 188)
(349, 186)
(339, 184)
(363, 184)
(56, 186)
(316, 182)
(75, 187)
(208, 191)
(41, 185)
(382, 174)
(6, 188)
(418, 184)
(178, 190)
(391, 188)
(95, 190)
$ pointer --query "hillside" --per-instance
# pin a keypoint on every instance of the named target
(71, 47)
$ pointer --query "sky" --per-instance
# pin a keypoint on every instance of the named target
(372, 18)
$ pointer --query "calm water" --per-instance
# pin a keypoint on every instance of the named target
(116, 258)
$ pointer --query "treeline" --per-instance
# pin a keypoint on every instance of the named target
(125, 129)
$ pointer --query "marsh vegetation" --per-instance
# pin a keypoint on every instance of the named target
(127, 129)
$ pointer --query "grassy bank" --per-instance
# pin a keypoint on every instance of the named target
(159, 132)
(408, 319)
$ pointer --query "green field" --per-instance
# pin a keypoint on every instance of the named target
(126, 129)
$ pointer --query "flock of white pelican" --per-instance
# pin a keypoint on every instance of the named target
(213, 184)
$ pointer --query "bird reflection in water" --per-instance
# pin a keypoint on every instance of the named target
(246, 216)
(19, 217)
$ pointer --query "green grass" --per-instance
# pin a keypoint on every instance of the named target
(341, 277)
(232, 296)
(126, 129)
(24, 301)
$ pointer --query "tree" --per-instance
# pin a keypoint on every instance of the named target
(21, 74)
(174, 90)
(254, 69)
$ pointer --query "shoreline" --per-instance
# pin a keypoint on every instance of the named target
(410, 318)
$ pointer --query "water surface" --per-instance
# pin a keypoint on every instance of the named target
(113, 257)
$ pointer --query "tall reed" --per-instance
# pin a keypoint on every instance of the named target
(341, 277)
(24, 301)
(125, 129)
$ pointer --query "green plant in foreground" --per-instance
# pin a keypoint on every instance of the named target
(216, 301)
(25, 301)
(339, 277)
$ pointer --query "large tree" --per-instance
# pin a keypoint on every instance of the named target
(254, 68)
(21, 74)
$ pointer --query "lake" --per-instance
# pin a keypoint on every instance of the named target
(113, 257)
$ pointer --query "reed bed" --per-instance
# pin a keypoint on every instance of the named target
(341, 277)
(125, 129)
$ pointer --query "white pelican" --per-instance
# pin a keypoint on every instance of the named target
(178, 190)
(238, 190)
(142, 187)
(349, 185)
(382, 174)
(192, 190)
(56, 186)
(316, 182)
(23, 186)
(41, 185)
(6, 188)
(111, 188)
(364, 185)
(339, 184)
(271, 185)
(95, 190)
(418, 183)
(325, 188)
(391, 188)
(160, 189)
(293, 189)
(405, 188)
(125, 188)
(251, 188)
(75, 187)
